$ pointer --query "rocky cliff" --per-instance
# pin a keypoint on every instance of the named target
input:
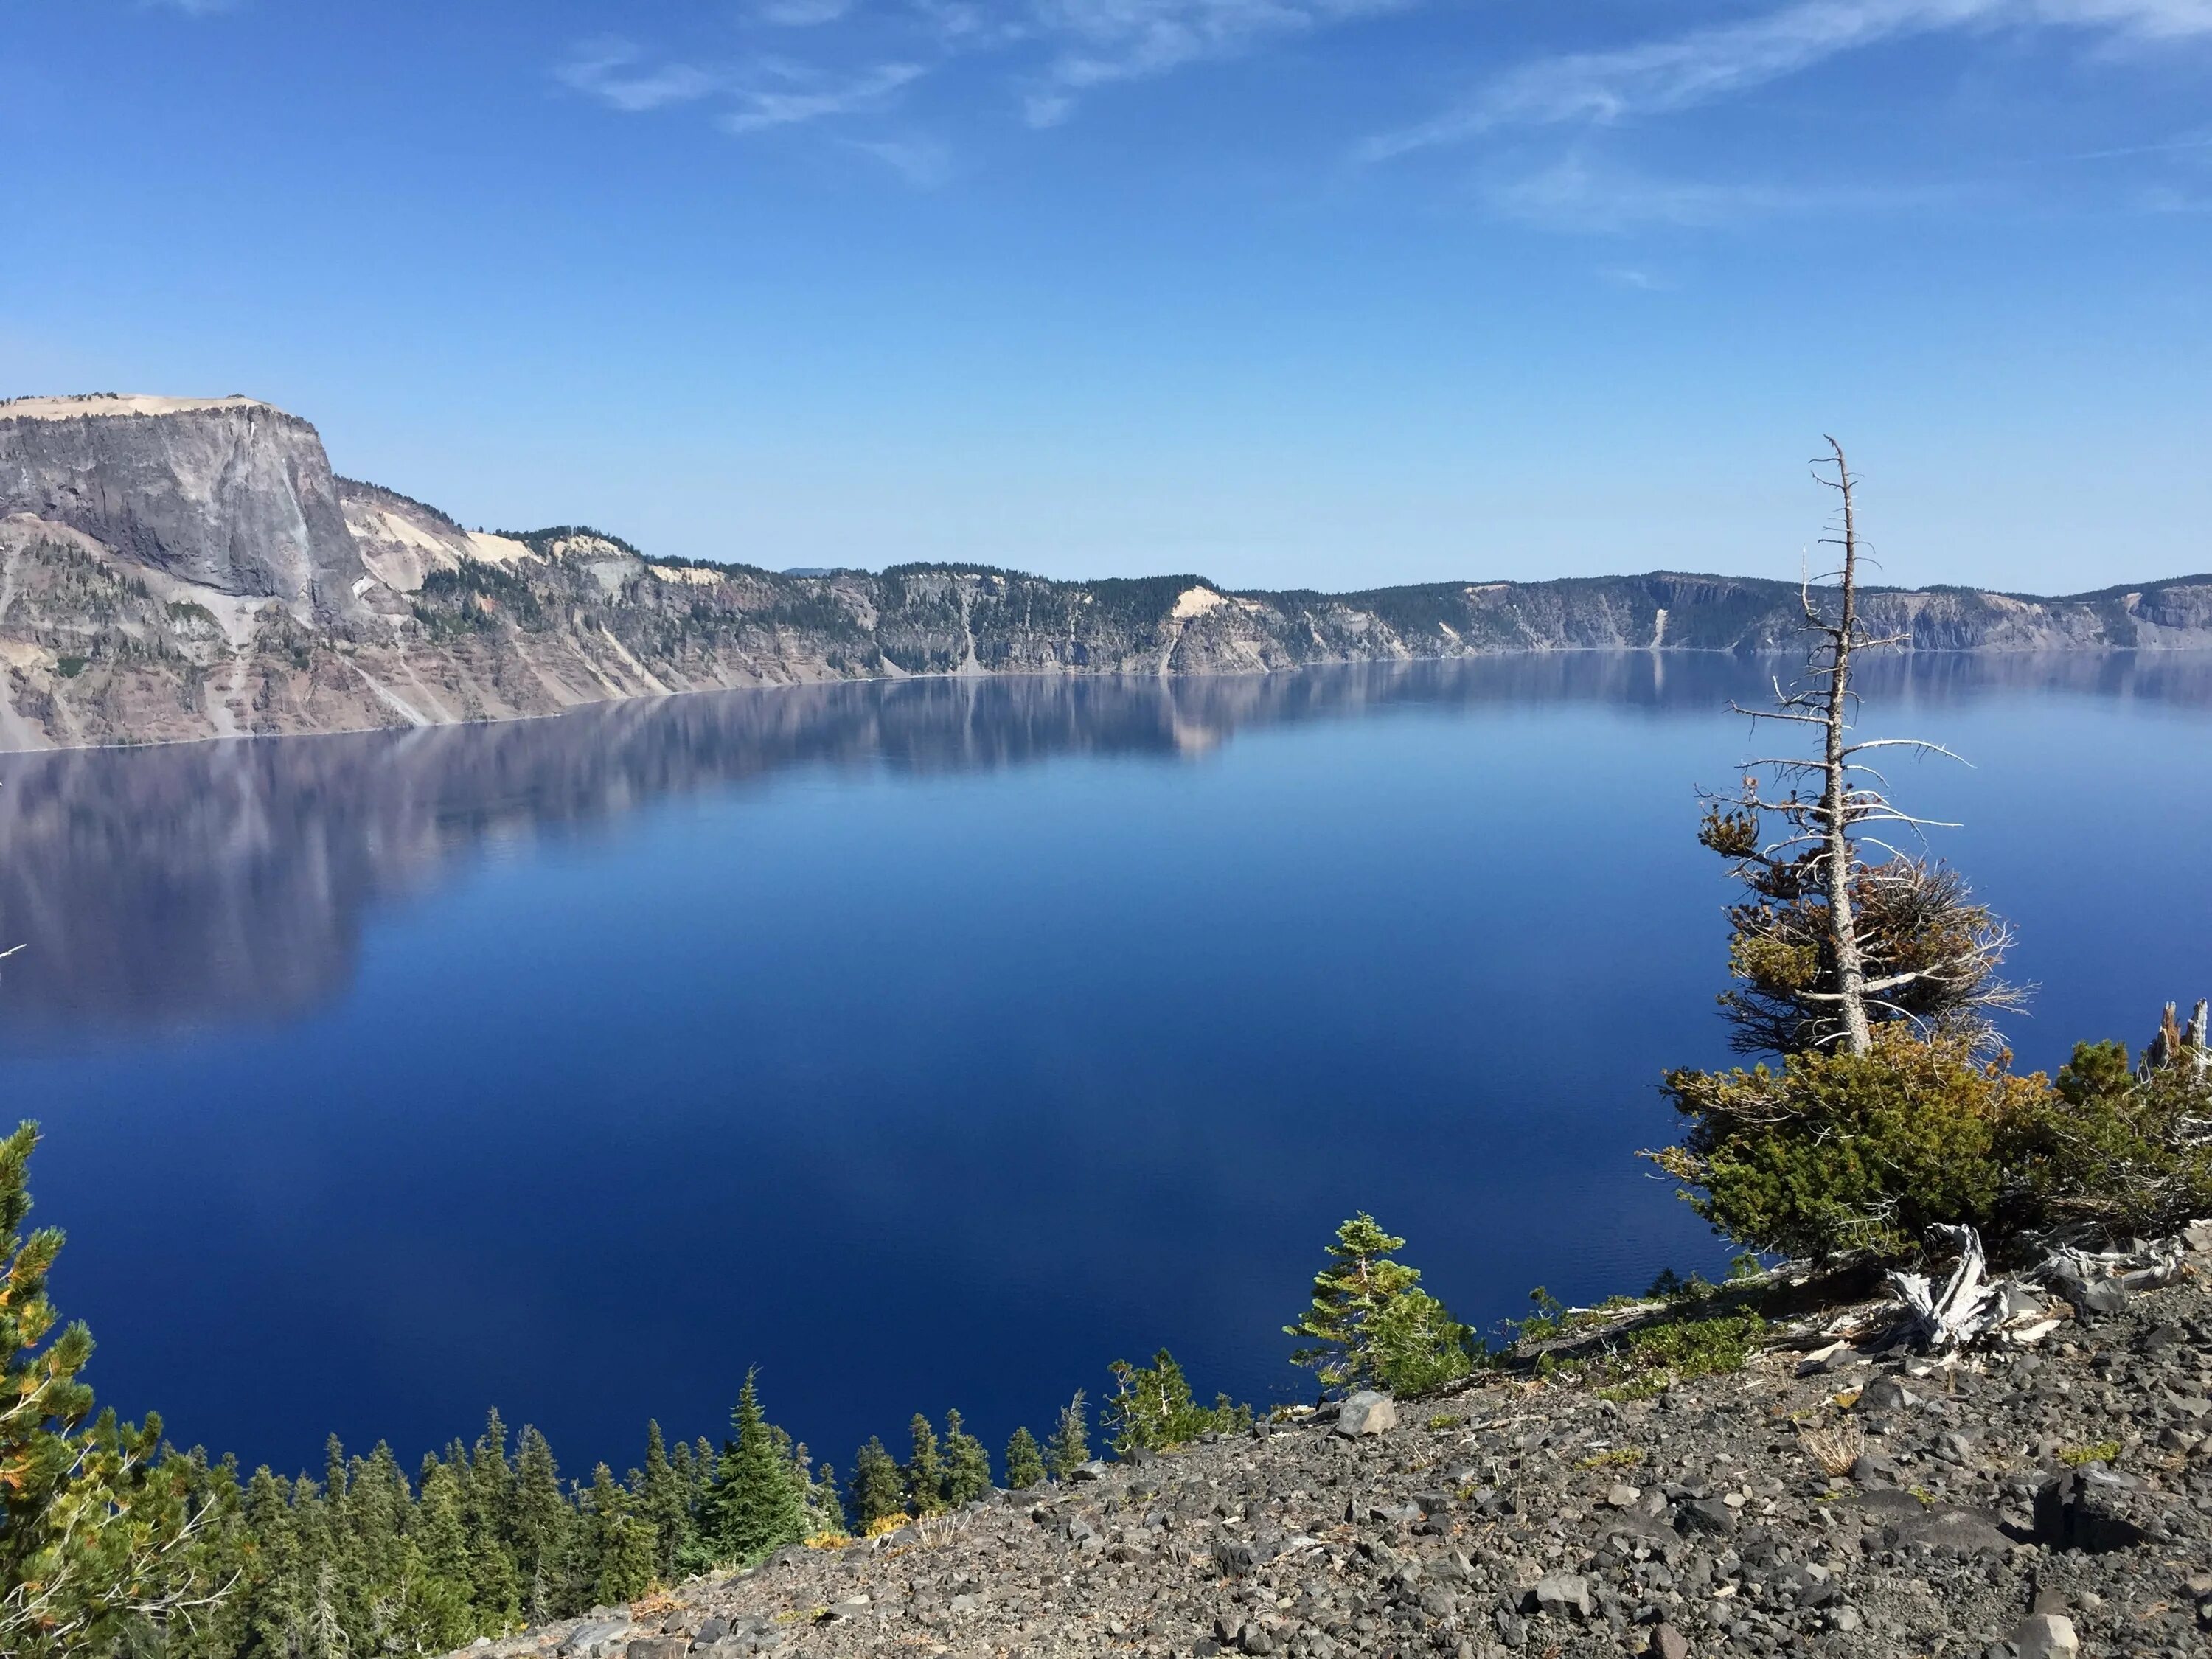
(224, 494)
(177, 568)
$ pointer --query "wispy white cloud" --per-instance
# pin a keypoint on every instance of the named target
(193, 7)
(1054, 52)
(925, 163)
(617, 74)
(808, 97)
(2187, 144)
(1094, 43)
(1574, 194)
(767, 92)
(801, 13)
(1697, 67)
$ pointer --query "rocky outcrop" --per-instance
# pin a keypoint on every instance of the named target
(172, 569)
(227, 494)
(1838, 1496)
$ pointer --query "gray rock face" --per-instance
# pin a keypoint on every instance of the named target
(231, 495)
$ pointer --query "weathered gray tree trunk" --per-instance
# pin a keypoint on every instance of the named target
(1839, 861)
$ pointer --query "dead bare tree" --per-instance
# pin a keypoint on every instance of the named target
(1830, 945)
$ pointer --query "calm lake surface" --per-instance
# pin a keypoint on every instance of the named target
(937, 1043)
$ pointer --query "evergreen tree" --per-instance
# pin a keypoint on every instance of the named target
(967, 1464)
(91, 1524)
(693, 1469)
(377, 1500)
(439, 1524)
(540, 1522)
(1369, 1323)
(622, 1541)
(757, 1504)
(878, 1489)
(663, 1505)
(494, 1582)
(1152, 1408)
(436, 1605)
(825, 1516)
(1071, 1440)
(274, 1590)
(1024, 1461)
(321, 1626)
(925, 1469)
(216, 1555)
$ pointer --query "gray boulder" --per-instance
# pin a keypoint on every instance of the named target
(1366, 1413)
(2046, 1636)
(1562, 1593)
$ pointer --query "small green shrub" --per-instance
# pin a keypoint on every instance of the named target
(2117, 1147)
(1840, 1153)
(2103, 1451)
(1620, 1457)
(1655, 1358)
(69, 667)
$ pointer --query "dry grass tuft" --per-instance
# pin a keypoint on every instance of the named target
(1835, 1448)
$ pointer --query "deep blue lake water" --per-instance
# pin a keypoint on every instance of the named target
(937, 1043)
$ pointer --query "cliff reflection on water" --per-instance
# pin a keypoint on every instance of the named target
(230, 880)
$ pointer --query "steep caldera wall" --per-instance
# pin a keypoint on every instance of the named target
(176, 569)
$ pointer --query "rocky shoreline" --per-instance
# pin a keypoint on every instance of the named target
(2048, 1494)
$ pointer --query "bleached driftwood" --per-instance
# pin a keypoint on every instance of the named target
(1967, 1307)
(2097, 1281)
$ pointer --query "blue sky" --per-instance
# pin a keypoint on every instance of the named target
(1329, 292)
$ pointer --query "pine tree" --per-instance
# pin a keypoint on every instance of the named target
(494, 1581)
(217, 1554)
(664, 1505)
(377, 1501)
(1024, 1461)
(757, 1504)
(622, 1542)
(1071, 1440)
(91, 1524)
(878, 1489)
(540, 1523)
(1369, 1323)
(825, 1516)
(967, 1464)
(274, 1591)
(925, 1469)
(438, 1523)
(436, 1600)
(693, 1472)
(321, 1629)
